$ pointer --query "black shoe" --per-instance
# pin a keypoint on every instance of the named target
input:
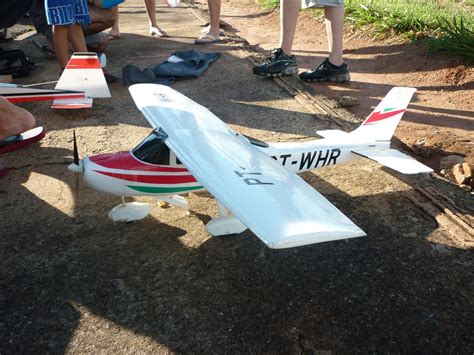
(277, 64)
(326, 71)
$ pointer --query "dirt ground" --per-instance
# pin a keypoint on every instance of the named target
(441, 116)
(71, 280)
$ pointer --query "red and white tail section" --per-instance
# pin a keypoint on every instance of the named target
(382, 122)
(380, 127)
(82, 73)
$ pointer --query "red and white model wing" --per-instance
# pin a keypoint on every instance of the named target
(16, 93)
(82, 73)
(277, 205)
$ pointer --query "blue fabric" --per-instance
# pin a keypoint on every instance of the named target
(193, 65)
(131, 74)
(67, 12)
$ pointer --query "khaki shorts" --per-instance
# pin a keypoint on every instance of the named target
(321, 3)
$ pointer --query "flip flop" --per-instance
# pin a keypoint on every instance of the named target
(207, 39)
(47, 52)
(173, 3)
(22, 140)
(206, 29)
(111, 36)
(157, 32)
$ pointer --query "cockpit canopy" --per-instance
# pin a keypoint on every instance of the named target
(153, 149)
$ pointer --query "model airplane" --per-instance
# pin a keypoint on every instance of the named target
(81, 81)
(190, 149)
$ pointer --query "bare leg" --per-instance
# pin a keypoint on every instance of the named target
(155, 30)
(115, 30)
(13, 119)
(76, 37)
(215, 16)
(61, 44)
(151, 12)
(289, 11)
(101, 19)
(335, 30)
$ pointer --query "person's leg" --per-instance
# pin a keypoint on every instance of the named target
(289, 11)
(211, 33)
(332, 68)
(214, 17)
(155, 30)
(115, 30)
(100, 20)
(335, 30)
(61, 44)
(281, 62)
(76, 37)
(13, 119)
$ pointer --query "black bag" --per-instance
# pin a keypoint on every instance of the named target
(15, 63)
(11, 11)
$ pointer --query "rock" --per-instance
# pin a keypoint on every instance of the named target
(449, 161)
(346, 101)
(426, 148)
(462, 173)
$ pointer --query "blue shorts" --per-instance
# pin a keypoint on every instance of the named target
(67, 12)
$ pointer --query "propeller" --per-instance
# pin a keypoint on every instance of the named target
(76, 166)
(76, 153)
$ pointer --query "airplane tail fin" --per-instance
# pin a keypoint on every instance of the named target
(84, 73)
(382, 122)
(381, 125)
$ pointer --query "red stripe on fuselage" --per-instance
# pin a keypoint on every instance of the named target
(83, 63)
(125, 161)
(152, 179)
(379, 116)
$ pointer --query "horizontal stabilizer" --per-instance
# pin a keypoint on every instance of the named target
(72, 103)
(84, 73)
(394, 159)
(332, 133)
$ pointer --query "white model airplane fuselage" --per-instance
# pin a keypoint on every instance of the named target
(236, 172)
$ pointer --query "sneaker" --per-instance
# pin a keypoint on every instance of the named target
(326, 71)
(277, 64)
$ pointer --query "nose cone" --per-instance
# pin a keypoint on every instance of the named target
(76, 168)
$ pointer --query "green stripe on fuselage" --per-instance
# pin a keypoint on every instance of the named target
(164, 190)
(389, 109)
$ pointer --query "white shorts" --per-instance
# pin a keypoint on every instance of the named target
(321, 3)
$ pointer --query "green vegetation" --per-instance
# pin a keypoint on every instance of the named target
(448, 25)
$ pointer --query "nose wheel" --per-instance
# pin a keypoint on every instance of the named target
(129, 211)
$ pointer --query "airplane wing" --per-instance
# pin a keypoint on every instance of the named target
(17, 93)
(276, 204)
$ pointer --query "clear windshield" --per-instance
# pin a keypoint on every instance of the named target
(153, 149)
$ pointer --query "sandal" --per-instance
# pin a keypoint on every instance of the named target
(47, 52)
(110, 36)
(157, 32)
(207, 39)
(21, 140)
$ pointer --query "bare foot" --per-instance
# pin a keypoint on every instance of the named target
(13, 119)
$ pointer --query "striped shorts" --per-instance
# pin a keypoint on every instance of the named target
(67, 12)
(321, 3)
